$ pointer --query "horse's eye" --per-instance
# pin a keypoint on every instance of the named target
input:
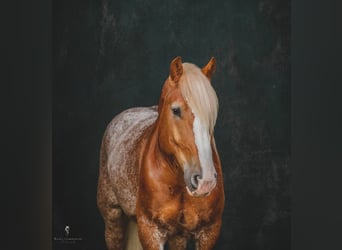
(176, 111)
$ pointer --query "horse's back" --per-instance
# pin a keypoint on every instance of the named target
(119, 145)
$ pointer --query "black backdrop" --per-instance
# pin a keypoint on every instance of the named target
(112, 55)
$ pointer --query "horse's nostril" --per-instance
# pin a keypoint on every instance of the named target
(215, 175)
(194, 180)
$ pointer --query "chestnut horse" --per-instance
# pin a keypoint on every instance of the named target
(160, 177)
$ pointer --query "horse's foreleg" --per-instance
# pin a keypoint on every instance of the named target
(177, 243)
(115, 224)
(151, 238)
(207, 237)
(114, 219)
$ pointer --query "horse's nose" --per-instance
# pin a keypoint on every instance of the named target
(200, 186)
(194, 179)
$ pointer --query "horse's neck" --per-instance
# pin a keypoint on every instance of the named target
(145, 143)
(152, 157)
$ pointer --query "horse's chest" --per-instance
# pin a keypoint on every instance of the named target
(188, 219)
(181, 216)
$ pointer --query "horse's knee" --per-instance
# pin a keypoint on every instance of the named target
(107, 202)
(113, 213)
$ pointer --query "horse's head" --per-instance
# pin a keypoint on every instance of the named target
(187, 115)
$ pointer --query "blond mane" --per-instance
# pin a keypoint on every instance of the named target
(199, 95)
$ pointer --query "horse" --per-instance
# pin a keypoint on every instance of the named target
(160, 178)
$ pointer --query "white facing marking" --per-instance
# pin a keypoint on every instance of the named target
(202, 141)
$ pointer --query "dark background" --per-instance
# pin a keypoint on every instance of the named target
(316, 135)
(109, 56)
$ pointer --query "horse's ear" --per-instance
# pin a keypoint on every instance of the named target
(176, 69)
(210, 68)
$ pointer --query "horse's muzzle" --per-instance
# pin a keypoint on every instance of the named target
(198, 187)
